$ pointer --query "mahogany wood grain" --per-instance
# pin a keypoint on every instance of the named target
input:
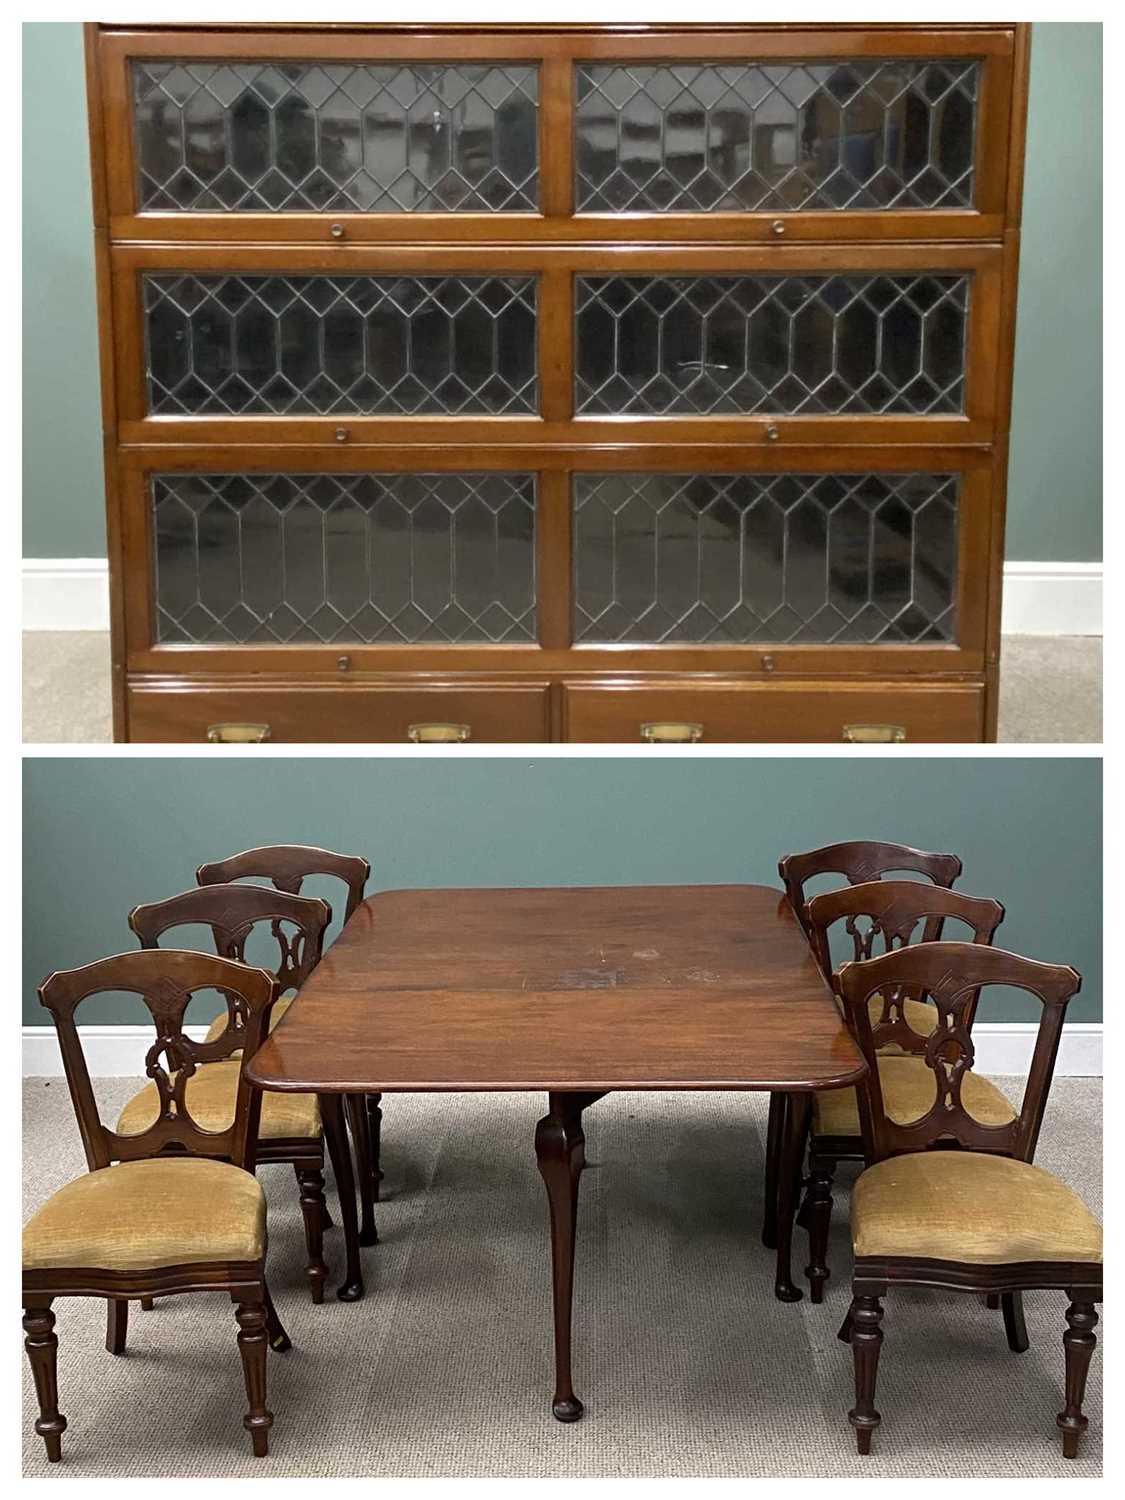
(588, 989)
(574, 992)
(773, 711)
(356, 714)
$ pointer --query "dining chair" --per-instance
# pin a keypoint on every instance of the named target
(168, 1209)
(293, 1128)
(879, 916)
(981, 1218)
(856, 861)
(288, 866)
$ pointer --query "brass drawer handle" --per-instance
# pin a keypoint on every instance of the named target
(668, 733)
(439, 734)
(874, 734)
(337, 231)
(237, 734)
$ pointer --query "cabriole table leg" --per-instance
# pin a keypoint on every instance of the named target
(798, 1108)
(336, 1138)
(560, 1154)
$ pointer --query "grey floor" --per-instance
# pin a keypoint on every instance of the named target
(687, 1363)
(1050, 688)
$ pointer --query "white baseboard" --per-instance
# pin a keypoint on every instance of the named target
(119, 1051)
(1040, 598)
(65, 593)
(110, 1051)
(1004, 1048)
(1044, 598)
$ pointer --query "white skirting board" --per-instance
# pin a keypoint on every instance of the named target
(119, 1051)
(1040, 598)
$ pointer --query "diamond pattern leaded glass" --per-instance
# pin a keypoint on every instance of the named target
(359, 558)
(257, 137)
(765, 558)
(362, 344)
(789, 344)
(697, 137)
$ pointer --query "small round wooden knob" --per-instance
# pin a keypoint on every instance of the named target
(778, 227)
(772, 434)
(337, 231)
(341, 434)
(343, 662)
(768, 663)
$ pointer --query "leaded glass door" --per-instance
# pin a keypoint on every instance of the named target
(528, 365)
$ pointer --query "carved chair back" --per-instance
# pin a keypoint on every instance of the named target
(860, 861)
(287, 866)
(883, 915)
(298, 925)
(952, 976)
(165, 980)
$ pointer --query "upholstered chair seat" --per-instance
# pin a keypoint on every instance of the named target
(219, 1025)
(211, 1094)
(908, 1094)
(967, 1206)
(140, 1215)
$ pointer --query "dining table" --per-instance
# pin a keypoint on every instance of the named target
(574, 993)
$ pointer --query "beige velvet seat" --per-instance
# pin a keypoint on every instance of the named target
(140, 1215)
(908, 1094)
(966, 1206)
(211, 1095)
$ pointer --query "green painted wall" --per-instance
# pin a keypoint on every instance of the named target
(1055, 475)
(103, 834)
(63, 492)
(1055, 500)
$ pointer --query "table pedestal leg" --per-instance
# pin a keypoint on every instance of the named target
(798, 1108)
(560, 1153)
(336, 1138)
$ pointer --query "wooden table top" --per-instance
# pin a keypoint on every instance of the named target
(643, 987)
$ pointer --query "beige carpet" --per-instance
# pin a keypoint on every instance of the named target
(1050, 688)
(688, 1365)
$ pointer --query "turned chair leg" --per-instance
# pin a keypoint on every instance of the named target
(116, 1324)
(355, 1108)
(42, 1349)
(992, 1301)
(375, 1132)
(253, 1339)
(1011, 1304)
(313, 1210)
(147, 1304)
(866, 1341)
(1079, 1344)
(326, 1222)
(773, 1168)
(817, 1216)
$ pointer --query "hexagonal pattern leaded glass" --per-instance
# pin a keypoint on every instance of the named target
(368, 345)
(259, 137)
(816, 559)
(344, 558)
(789, 344)
(846, 134)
